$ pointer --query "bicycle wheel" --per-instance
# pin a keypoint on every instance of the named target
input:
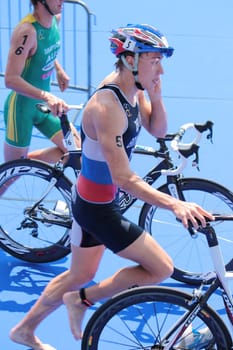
(34, 235)
(140, 318)
(190, 253)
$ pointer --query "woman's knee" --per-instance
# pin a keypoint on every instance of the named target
(160, 270)
(168, 268)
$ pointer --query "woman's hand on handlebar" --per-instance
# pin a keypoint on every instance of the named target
(55, 104)
(191, 213)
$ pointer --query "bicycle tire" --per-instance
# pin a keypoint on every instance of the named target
(140, 318)
(190, 255)
(24, 180)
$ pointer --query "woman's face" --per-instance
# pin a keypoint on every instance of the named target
(150, 69)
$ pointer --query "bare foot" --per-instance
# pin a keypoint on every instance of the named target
(20, 336)
(76, 311)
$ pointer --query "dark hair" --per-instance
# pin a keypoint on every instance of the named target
(35, 2)
(119, 64)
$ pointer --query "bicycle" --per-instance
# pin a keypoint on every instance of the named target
(166, 318)
(36, 216)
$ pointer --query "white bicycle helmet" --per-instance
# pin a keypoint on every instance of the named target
(139, 38)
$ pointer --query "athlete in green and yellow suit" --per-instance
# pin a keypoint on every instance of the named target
(32, 59)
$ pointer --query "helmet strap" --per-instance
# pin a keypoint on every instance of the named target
(43, 2)
(133, 69)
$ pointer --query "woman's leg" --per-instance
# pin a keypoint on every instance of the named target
(153, 266)
(85, 262)
(53, 154)
(12, 152)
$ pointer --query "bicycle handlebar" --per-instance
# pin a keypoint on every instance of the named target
(185, 150)
(199, 129)
(44, 108)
